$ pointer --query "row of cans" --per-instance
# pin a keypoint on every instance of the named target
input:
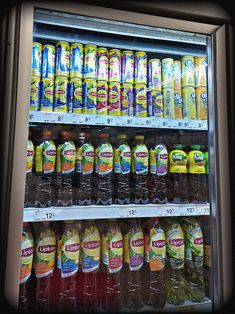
(88, 61)
(99, 97)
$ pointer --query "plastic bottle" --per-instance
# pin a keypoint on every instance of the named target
(122, 169)
(139, 181)
(26, 262)
(30, 185)
(112, 261)
(194, 252)
(45, 167)
(196, 175)
(177, 178)
(102, 183)
(65, 168)
(82, 183)
(90, 260)
(133, 265)
(155, 257)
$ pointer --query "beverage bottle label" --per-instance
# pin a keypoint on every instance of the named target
(85, 159)
(157, 249)
(140, 156)
(134, 250)
(196, 162)
(122, 159)
(68, 156)
(112, 251)
(104, 159)
(45, 157)
(178, 161)
(26, 257)
(158, 160)
(29, 156)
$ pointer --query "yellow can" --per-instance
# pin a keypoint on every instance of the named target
(140, 103)
(189, 103)
(140, 72)
(188, 71)
(178, 103)
(115, 65)
(61, 94)
(201, 101)
(102, 97)
(90, 62)
(167, 73)
(177, 74)
(114, 98)
(62, 58)
(200, 71)
(168, 103)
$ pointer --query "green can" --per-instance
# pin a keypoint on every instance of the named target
(189, 103)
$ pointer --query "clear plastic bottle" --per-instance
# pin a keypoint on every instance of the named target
(82, 183)
(65, 168)
(102, 183)
(122, 169)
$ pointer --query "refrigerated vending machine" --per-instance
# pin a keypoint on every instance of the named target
(119, 194)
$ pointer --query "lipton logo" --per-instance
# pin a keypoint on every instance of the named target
(137, 243)
(91, 245)
(90, 154)
(113, 96)
(188, 62)
(176, 242)
(50, 152)
(117, 244)
(163, 156)
(204, 95)
(78, 93)
(104, 60)
(141, 97)
(70, 152)
(106, 154)
(102, 95)
(27, 252)
(198, 241)
(159, 243)
(141, 154)
(60, 92)
(29, 153)
(49, 92)
(72, 247)
(127, 154)
(92, 94)
(46, 248)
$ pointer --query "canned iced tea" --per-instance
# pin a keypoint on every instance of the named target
(35, 93)
(127, 66)
(178, 104)
(140, 96)
(114, 65)
(90, 62)
(48, 61)
(140, 67)
(154, 73)
(188, 71)
(127, 99)
(102, 97)
(167, 73)
(177, 74)
(76, 68)
(75, 95)
(62, 58)
(189, 103)
(200, 71)
(47, 94)
(114, 98)
(201, 102)
(155, 103)
(103, 62)
(36, 59)
(61, 94)
(89, 96)
(168, 103)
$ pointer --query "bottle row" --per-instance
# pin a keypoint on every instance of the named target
(115, 264)
(87, 171)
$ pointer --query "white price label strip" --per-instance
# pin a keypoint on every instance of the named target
(46, 214)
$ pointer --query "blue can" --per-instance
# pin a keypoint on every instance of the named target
(36, 59)
(76, 68)
(48, 61)
(62, 58)
(75, 95)
(35, 93)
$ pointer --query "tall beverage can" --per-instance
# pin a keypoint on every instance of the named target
(140, 67)
(103, 64)
(114, 65)
(127, 99)
(167, 73)
(75, 95)
(36, 64)
(177, 74)
(154, 73)
(77, 55)
(140, 97)
(201, 102)
(168, 103)
(89, 96)
(62, 58)
(127, 66)
(48, 61)
(114, 98)
(189, 103)
(200, 71)
(35, 93)
(188, 71)
(102, 97)
(155, 103)
(61, 94)
(90, 62)
(47, 94)
(178, 103)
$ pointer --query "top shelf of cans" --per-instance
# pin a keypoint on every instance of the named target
(88, 79)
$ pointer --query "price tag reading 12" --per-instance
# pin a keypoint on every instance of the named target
(48, 214)
(128, 212)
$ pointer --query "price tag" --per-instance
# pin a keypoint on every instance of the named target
(164, 123)
(60, 118)
(109, 121)
(45, 214)
(185, 124)
(169, 211)
(148, 122)
(172, 123)
(193, 124)
(128, 212)
(205, 210)
(129, 121)
(180, 124)
(190, 210)
(31, 117)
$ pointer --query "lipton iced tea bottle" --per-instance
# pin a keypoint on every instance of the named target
(112, 261)
(197, 176)
(140, 159)
(45, 167)
(122, 169)
(155, 257)
(30, 185)
(90, 260)
(177, 183)
(133, 264)
(26, 261)
(82, 183)
(102, 183)
(65, 167)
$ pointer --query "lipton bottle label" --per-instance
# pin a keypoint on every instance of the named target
(140, 156)
(67, 155)
(134, 250)
(122, 159)
(29, 156)
(45, 157)
(159, 160)
(157, 249)
(85, 159)
(26, 257)
(104, 159)
(112, 251)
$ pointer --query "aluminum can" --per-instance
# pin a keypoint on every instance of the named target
(140, 100)
(154, 73)
(47, 94)
(114, 65)
(168, 103)
(75, 95)
(201, 102)
(48, 61)
(127, 98)
(36, 64)
(89, 96)
(188, 71)
(35, 93)
(189, 103)
(103, 64)
(77, 55)
(140, 67)
(178, 103)
(177, 74)
(62, 58)
(200, 71)
(114, 98)
(102, 97)
(155, 103)
(61, 94)
(90, 62)
(127, 66)
(167, 73)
